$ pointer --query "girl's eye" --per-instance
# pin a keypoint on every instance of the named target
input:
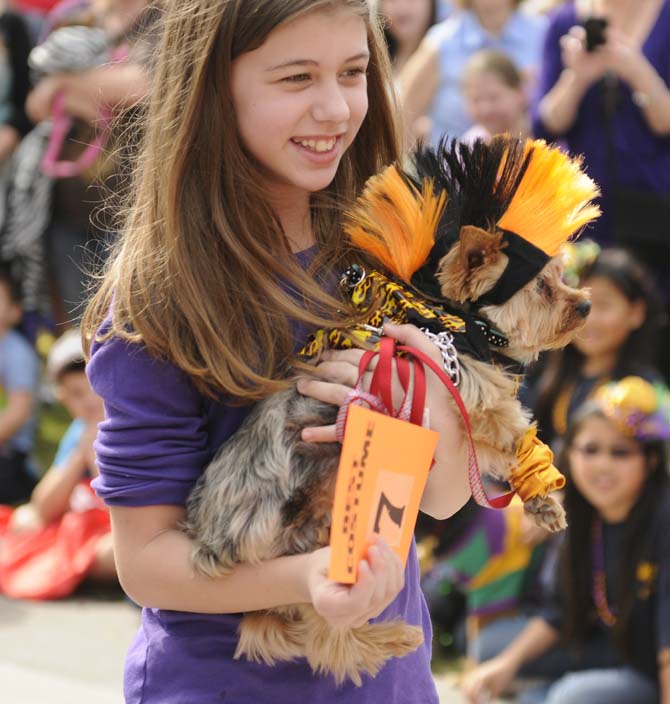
(297, 78)
(355, 72)
(622, 453)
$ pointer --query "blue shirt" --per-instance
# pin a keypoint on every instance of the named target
(69, 442)
(19, 371)
(457, 39)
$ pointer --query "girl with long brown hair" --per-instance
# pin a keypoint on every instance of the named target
(264, 121)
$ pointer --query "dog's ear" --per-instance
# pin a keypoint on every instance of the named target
(473, 265)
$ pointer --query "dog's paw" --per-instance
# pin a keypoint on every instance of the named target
(547, 513)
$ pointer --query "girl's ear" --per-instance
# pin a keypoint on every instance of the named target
(638, 314)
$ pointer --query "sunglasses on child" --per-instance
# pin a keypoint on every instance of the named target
(618, 452)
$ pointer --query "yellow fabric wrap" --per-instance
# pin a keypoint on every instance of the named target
(535, 474)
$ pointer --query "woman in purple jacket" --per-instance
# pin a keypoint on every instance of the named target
(605, 94)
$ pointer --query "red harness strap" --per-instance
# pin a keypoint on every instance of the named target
(380, 399)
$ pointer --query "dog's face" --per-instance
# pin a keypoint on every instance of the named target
(544, 314)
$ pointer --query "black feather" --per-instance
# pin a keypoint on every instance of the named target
(480, 179)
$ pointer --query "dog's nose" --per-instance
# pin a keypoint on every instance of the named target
(583, 308)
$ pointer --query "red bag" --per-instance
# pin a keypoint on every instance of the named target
(50, 563)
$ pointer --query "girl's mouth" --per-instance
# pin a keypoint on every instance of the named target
(322, 145)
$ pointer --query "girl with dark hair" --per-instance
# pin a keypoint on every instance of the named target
(406, 23)
(612, 605)
(620, 338)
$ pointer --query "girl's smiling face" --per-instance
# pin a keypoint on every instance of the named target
(611, 320)
(607, 467)
(491, 103)
(301, 97)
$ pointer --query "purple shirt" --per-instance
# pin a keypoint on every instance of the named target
(643, 158)
(158, 435)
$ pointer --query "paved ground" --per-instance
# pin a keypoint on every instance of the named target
(72, 651)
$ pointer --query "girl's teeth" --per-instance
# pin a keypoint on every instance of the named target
(318, 145)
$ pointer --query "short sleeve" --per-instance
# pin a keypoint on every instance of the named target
(22, 366)
(69, 442)
(152, 445)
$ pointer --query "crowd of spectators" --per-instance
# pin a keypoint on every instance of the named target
(592, 76)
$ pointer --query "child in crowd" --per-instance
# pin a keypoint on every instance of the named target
(406, 23)
(62, 535)
(619, 339)
(19, 379)
(265, 121)
(612, 603)
(494, 558)
(15, 44)
(495, 97)
(430, 84)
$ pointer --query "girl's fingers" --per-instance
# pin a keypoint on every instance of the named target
(377, 557)
(321, 433)
(349, 356)
(337, 372)
(325, 391)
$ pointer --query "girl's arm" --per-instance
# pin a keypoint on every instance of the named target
(114, 86)
(51, 497)
(489, 679)
(154, 567)
(417, 84)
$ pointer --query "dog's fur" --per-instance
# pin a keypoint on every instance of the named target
(268, 494)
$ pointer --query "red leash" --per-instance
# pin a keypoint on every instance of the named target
(380, 399)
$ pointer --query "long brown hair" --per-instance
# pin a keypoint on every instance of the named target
(203, 274)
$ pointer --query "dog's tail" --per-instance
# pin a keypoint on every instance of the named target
(396, 222)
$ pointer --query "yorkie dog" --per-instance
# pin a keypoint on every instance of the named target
(467, 245)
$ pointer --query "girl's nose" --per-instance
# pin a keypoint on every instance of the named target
(331, 105)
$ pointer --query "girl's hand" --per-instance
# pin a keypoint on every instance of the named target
(41, 98)
(380, 579)
(587, 66)
(339, 373)
(488, 680)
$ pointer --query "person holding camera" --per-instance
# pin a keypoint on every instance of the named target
(603, 90)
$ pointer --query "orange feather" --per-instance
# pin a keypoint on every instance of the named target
(553, 200)
(395, 222)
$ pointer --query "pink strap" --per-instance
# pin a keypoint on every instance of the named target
(380, 399)
(61, 125)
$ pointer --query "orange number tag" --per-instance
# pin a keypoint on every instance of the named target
(383, 470)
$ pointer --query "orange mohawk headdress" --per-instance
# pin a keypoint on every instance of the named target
(395, 222)
(552, 201)
(534, 195)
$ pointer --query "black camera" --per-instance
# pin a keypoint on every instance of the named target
(595, 32)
